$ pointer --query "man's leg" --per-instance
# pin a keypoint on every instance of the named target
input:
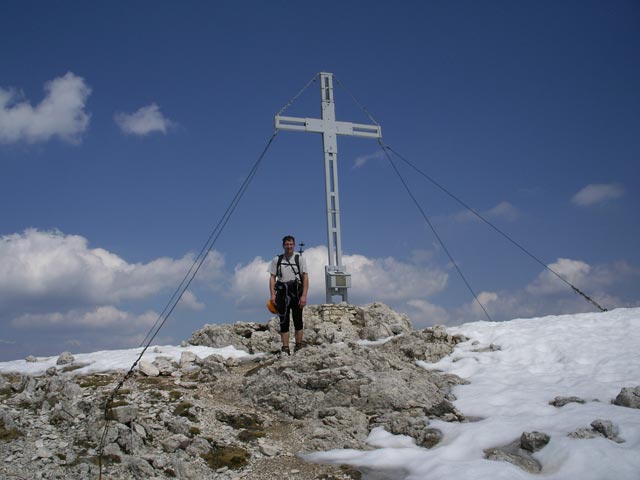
(283, 306)
(284, 331)
(297, 324)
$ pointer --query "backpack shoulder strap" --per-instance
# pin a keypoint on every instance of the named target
(278, 267)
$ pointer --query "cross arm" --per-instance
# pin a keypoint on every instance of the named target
(316, 125)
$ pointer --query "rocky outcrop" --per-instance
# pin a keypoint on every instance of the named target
(228, 419)
(519, 451)
(562, 401)
(599, 428)
(324, 324)
(628, 397)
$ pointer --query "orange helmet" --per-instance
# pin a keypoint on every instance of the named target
(272, 307)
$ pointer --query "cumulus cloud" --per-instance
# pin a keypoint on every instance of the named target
(385, 279)
(50, 271)
(190, 301)
(574, 271)
(423, 313)
(61, 113)
(144, 121)
(503, 210)
(596, 193)
(361, 161)
(98, 318)
(546, 294)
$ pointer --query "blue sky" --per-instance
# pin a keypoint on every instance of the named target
(126, 128)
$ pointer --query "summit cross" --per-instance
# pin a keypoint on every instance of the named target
(337, 279)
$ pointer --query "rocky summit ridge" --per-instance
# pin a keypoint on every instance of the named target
(211, 418)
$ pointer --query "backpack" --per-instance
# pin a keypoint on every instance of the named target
(296, 258)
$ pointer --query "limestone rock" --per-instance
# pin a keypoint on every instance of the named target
(65, 358)
(177, 424)
(599, 428)
(338, 427)
(187, 358)
(123, 414)
(175, 442)
(533, 441)
(628, 397)
(218, 336)
(214, 364)
(411, 423)
(562, 401)
(523, 461)
(31, 359)
(148, 369)
(140, 468)
(515, 454)
(198, 446)
(164, 365)
(606, 428)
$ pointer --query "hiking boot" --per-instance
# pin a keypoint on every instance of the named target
(284, 350)
(297, 347)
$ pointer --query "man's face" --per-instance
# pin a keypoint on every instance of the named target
(288, 247)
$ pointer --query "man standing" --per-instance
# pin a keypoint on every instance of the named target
(288, 285)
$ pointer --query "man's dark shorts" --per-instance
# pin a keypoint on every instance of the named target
(288, 303)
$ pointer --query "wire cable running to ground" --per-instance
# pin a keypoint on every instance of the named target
(353, 97)
(477, 214)
(295, 97)
(433, 229)
(184, 285)
(387, 147)
(415, 201)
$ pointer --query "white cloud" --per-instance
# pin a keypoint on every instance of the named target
(360, 161)
(383, 279)
(574, 271)
(99, 318)
(190, 301)
(548, 295)
(596, 193)
(423, 313)
(144, 121)
(503, 210)
(61, 112)
(544, 295)
(50, 271)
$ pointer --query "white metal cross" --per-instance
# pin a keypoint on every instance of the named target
(336, 277)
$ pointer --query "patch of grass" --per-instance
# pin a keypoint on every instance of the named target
(182, 410)
(241, 420)
(228, 456)
(250, 435)
(95, 381)
(84, 444)
(175, 394)
(194, 431)
(352, 472)
(155, 394)
(25, 405)
(8, 434)
(158, 383)
(106, 459)
(118, 403)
